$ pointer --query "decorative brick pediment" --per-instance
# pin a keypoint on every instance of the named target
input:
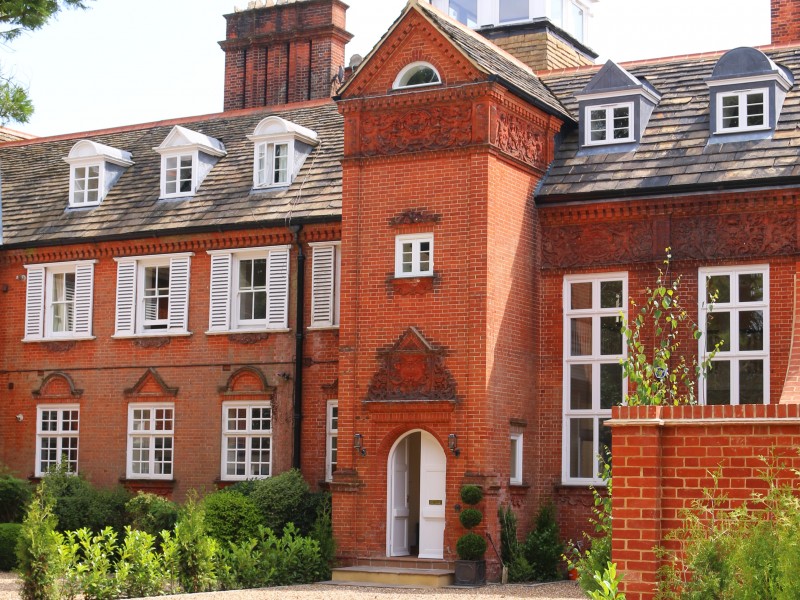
(151, 385)
(412, 370)
(57, 385)
(247, 381)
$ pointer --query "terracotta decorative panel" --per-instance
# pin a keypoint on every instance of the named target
(521, 139)
(416, 129)
(597, 244)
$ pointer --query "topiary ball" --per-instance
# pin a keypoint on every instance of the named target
(471, 546)
(471, 494)
(470, 517)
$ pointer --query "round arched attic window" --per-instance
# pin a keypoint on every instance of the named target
(416, 75)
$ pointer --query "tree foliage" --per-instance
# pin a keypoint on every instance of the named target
(16, 17)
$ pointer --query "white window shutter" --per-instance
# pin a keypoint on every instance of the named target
(179, 293)
(84, 284)
(278, 289)
(219, 310)
(323, 272)
(126, 298)
(34, 304)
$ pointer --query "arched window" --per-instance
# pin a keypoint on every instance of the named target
(416, 75)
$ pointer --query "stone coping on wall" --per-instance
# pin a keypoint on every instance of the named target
(667, 416)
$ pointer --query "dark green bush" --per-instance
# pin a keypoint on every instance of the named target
(14, 497)
(231, 516)
(79, 504)
(471, 546)
(151, 513)
(470, 517)
(9, 534)
(282, 499)
(322, 532)
(543, 547)
(471, 494)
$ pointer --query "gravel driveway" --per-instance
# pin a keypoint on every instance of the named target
(546, 591)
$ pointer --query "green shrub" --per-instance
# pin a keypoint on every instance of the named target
(471, 494)
(151, 513)
(79, 504)
(139, 570)
(322, 532)
(94, 569)
(470, 517)
(471, 546)
(543, 547)
(37, 550)
(281, 499)
(14, 497)
(194, 560)
(231, 516)
(9, 534)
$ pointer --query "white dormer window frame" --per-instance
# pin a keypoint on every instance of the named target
(88, 163)
(407, 73)
(272, 137)
(742, 107)
(179, 147)
(612, 120)
(175, 163)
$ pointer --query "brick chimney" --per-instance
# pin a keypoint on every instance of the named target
(283, 51)
(785, 22)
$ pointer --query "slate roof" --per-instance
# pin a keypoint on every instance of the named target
(674, 154)
(35, 183)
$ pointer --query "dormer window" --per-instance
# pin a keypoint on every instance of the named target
(281, 147)
(417, 74)
(610, 124)
(747, 91)
(95, 168)
(186, 158)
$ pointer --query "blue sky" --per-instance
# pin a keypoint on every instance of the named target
(134, 61)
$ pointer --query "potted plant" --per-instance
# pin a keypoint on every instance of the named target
(470, 547)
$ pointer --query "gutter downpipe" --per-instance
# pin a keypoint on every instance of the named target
(299, 345)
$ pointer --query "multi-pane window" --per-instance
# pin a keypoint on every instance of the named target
(59, 301)
(741, 111)
(62, 302)
(151, 433)
(593, 377)
(515, 450)
(251, 291)
(85, 185)
(513, 10)
(56, 438)
(272, 164)
(414, 255)
(155, 296)
(738, 321)
(246, 440)
(417, 74)
(609, 124)
(332, 433)
(178, 175)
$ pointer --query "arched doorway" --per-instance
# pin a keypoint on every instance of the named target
(416, 476)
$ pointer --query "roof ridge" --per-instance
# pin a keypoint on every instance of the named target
(279, 108)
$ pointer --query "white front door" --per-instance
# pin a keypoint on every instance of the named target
(433, 471)
(398, 503)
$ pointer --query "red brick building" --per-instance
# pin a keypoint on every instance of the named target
(412, 287)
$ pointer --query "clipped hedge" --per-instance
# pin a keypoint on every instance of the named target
(9, 534)
(231, 516)
(285, 498)
(14, 497)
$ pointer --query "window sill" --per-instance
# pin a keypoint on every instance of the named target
(151, 335)
(323, 328)
(50, 340)
(518, 486)
(246, 331)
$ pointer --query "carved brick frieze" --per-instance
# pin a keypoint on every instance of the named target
(735, 235)
(412, 370)
(248, 339)
(60, 346)
(413, 216)
(152, 342)
(429, 128)
(597, 244)
(521, 139)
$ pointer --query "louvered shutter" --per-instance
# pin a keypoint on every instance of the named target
(323, 272)
(179, 293)
(84, 285)
(126, 297)
(219, 311)
(278, 289)
(34, 304)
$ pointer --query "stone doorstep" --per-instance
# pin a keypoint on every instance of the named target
(394, 576)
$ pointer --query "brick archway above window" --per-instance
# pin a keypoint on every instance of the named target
(412, 370)
(151, 385)
(248, 381)
(57, 385)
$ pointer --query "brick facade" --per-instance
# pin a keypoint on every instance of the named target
(785, 21)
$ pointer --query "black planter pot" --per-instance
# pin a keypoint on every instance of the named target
(470, 572)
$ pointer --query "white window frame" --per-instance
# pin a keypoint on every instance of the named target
(415, 239)
(73, 179)
(146, 326)
(515, 448)
(178, 156)
(151, 434)
(609, 122)
(325, 284)
(59, 436)
(130, 307)
(734, 307)
(742, 110)
(224, 309)
(265, 178)
(249, 434)
(331, 439)
(595, 359)
(39, 301)
(415, 66)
